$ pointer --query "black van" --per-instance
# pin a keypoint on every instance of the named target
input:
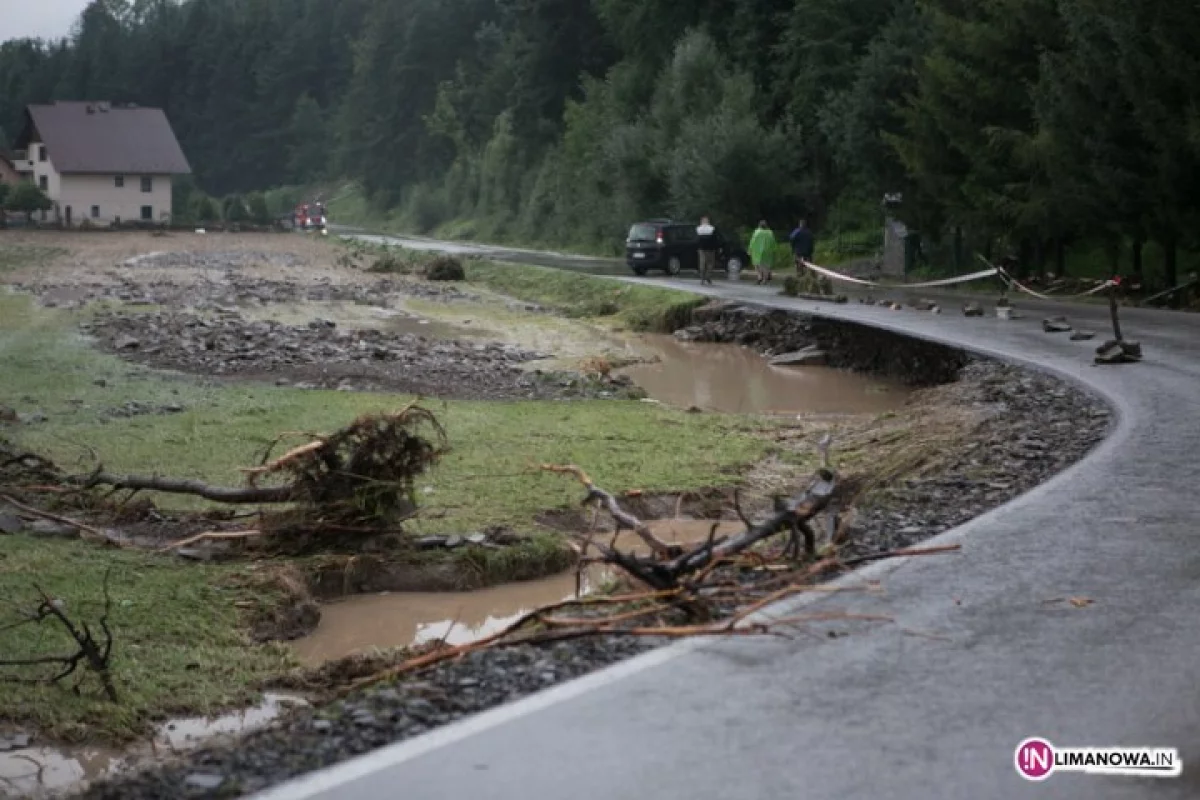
(672, 247)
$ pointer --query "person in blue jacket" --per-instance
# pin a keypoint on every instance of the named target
(802, 244)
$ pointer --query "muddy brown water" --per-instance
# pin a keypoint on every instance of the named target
(358, 624)
(45, 770)
(733, 379)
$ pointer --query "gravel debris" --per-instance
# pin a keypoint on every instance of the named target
(322, 355)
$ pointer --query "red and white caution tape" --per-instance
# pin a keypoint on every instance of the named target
(1013, 282)
(837, 276)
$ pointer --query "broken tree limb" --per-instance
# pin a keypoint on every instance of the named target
(362, 474)
(86, 531)
(623, 518)
(208, 535)
(94, 654)
(218, 494)
(790, 515)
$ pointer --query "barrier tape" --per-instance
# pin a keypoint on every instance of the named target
(837, 276)
(1011, 281)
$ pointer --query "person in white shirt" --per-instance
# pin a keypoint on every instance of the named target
(707, 247)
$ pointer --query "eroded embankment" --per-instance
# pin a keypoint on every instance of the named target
(1021, 427)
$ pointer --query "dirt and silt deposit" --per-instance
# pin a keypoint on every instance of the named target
(284, 310)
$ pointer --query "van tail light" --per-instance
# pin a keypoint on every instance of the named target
(658, 235)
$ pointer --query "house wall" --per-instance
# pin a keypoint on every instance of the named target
(81, 192)
(42, 169)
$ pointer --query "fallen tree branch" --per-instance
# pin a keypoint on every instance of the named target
(94, 654)
(85, 530)
(623, 518)
(903, 552)
(201, 537)
(218, 494)
(362, 474)
(791, 515)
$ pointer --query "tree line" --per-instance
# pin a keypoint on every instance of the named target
(1026, 126)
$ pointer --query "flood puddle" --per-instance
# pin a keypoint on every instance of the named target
(732, 379)
(31, 772)
(358, 624)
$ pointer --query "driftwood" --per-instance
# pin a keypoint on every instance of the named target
(218, 494)
(624, 520)
(361, 474)
(669, 565)
(91, 652)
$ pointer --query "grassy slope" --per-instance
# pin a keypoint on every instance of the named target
(644, 308)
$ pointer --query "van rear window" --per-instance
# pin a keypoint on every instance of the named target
(642, 232)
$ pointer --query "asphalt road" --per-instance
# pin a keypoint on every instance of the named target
(933, 705)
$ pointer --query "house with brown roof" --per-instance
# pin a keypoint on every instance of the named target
(101, 162)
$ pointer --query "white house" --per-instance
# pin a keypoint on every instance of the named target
(99, 162)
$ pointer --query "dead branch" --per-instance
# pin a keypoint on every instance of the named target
(207, 535)
(92, 653)
(790, 515)
(218, 494)
(362, 474)
(624, 519)
(901, 553)
(87, 531)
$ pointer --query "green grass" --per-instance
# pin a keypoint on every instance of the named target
(177, 646)
(640, 308)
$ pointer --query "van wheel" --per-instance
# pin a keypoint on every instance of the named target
(639, 271)
(674, 265)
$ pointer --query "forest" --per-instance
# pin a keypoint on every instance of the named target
(1037, 128)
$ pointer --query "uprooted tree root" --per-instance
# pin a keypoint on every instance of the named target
(359, 478)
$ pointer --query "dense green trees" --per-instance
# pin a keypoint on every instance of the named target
(1032, 126)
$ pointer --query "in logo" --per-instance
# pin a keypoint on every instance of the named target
(1035, 759)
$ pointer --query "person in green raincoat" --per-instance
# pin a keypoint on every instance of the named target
(762, 251)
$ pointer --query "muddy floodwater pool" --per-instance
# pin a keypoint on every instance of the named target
(359, 624)
(733, 379)
(45, 771)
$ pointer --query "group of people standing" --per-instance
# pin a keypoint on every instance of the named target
(762, 248)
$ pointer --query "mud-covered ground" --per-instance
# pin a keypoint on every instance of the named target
(197, 309)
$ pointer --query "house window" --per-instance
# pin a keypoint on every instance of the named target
(43, 183)
(119, 181)
(95, 212)
(41, 152)
(148, 212)
(147, 183)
